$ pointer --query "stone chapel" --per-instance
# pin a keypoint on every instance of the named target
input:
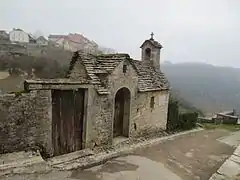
(105, 97)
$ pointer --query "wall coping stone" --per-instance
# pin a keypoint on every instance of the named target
(44, 84)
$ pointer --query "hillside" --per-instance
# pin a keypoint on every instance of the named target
(206, 87)
(196, 86)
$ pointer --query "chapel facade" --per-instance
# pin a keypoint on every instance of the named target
(105, 97)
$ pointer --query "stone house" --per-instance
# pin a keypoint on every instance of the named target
(32, 39)
(73, 42)
(227, 117)
(103, 98)
(19, 36)
(42, 41)
(78, 42)
(56, 39)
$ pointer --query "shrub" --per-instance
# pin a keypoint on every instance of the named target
(44, 67)
(179, 121)
(173, 113)
(188, 120)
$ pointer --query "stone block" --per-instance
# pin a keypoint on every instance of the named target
(235, 159)
(217, 177)
(229, 169)
(25, 121)
(237, 151)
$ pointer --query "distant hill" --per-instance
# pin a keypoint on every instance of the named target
(19, 60)
(197, 86)
(206, 87)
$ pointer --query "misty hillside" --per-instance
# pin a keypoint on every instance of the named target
(196, 86)
(206, 87)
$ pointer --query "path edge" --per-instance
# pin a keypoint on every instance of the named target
(103, 157)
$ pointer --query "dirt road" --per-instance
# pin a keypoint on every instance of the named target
(188, 157)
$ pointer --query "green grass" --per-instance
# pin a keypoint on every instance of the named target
(230, 127)
(3, 74)
(11, 84)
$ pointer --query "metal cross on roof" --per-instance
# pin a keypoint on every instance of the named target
(152, 35)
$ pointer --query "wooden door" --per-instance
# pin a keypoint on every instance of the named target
(67, 120)
(118, 115)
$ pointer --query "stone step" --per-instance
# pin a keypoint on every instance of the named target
(68, 158)
(22, 162)
(17, 156)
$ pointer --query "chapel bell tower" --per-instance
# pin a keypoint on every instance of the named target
(151, 52)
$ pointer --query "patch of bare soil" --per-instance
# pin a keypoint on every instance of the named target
(11, 84)
(195, 156)
(3, 74)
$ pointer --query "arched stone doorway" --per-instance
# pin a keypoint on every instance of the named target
(121, 113)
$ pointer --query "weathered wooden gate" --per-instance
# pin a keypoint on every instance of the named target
(121, 113)
(118, 115)
(67, 120)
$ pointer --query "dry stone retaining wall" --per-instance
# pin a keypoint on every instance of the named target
(25, 121)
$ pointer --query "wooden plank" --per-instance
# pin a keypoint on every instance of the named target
(73, 143)
(70, 121)
(79, 110)
(58, 137)
(118, 114)
(54, 128)
(66, 110)
(62, 138)
(66, 115)
(55, 123)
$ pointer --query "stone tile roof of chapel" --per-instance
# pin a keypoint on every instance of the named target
(153, 42)
(148, 78)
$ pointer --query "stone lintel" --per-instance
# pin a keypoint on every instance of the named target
(62, 84)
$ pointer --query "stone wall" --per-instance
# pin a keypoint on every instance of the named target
(147, 119)
(155, 54)
(143, 119)
(79, 72)
(99, 126)
(119, 80)
(25, 121)
(226, 119)
(100, 117)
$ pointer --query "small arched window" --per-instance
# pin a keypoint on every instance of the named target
(148, 54)
(152, 102)
(124, 68)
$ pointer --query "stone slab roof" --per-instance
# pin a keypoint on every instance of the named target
(42, 38)
(148, 78)
(153, 42)
(103, 65)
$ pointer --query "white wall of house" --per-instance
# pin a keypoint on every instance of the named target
(42, 42)
(58, 41)
(53, 39)
(19, 36)
(71, 46)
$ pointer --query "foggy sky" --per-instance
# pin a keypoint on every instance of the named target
(190, 30)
